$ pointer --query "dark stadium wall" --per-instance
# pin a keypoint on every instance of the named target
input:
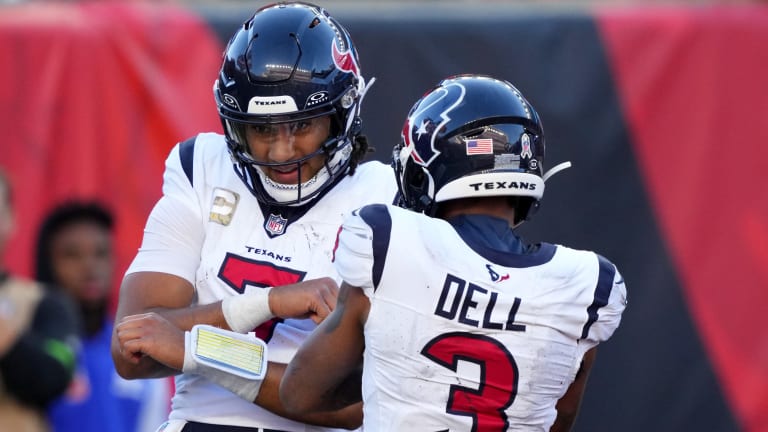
(659, 110)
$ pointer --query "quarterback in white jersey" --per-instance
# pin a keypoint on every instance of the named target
(234, 252)
(460, 325)
(243, 235)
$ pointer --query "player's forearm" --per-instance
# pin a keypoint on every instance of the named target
(563, 423)
(146, 367)
(149, 340)
(148, 345)
(169, 296)
(319, 378)
(568, 405)
(347, 417)
(186, 318)
(217, 354)
(350, 417)
(321, 392)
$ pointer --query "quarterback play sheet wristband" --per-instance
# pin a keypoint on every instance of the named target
(238, 354)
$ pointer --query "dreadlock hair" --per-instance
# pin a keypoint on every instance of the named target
(360, 149)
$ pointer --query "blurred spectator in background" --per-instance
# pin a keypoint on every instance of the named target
(38, 338)
(74, 253)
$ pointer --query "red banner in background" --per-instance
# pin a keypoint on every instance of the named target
(693, 84)
(91, 104)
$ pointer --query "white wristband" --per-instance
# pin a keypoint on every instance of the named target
(232, 360)
(245, 312)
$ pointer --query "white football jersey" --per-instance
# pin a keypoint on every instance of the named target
(210, 230)
(462, 337)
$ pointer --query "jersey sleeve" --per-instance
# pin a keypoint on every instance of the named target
(611, 313)
(174, 234)
(353, 255)
(609, 304)
(39, 366)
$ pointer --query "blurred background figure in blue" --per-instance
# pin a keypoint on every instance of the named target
(75, 254)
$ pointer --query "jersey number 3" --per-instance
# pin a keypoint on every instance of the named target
(498, 378)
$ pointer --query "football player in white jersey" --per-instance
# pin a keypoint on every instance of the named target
(461, 325)
(242, 237)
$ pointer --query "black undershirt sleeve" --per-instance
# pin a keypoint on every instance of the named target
(39, 366)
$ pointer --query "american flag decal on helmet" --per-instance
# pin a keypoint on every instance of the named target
(479, 146)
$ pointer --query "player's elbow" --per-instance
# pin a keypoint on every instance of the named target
(294, 400)
(299, 395)
(124, 369)
(564, 422)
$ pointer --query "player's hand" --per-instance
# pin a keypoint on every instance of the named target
(313, 299)
(151, 335)
(10, 329)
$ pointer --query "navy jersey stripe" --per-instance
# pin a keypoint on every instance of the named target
(187, 155)
(378, 218)
(602, 292)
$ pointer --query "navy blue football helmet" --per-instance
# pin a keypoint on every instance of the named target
(291, 62)
(471, 136)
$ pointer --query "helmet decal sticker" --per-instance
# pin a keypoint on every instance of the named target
(316, 98)
(271, 105)
(525, 142)
(481, 146)
(453, 94)
(422, 129)
(344, 61)
(231, 101)
(506, 161)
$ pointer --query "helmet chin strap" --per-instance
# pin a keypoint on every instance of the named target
(290, 192)
(556, 169)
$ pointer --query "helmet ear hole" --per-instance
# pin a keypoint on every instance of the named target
(421, 183)
(416, 179)
(416, 186)
(524, 206)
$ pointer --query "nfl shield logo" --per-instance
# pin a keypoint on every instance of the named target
(275, 225)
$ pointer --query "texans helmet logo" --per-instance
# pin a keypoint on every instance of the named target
(419, 129)
(344, 61)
